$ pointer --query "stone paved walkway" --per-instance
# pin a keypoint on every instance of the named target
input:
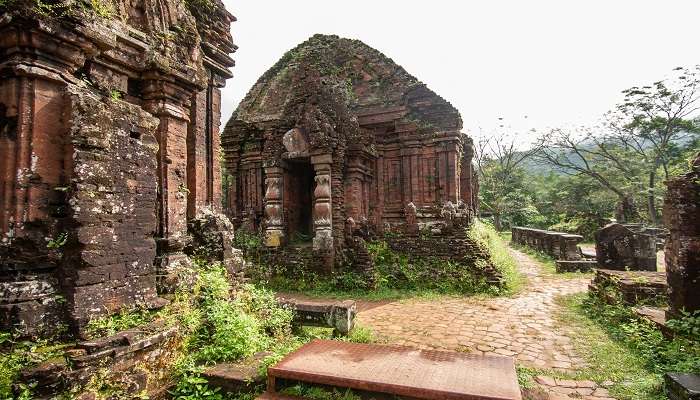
(521, 326)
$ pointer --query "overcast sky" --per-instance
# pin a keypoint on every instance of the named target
(534, 63)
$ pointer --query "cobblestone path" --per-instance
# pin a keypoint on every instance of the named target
(521, 326)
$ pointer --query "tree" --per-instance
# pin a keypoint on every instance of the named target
(579, 152)
(653, 120)
(633, 144)
(501, 177)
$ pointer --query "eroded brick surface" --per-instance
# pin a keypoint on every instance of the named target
(682, 219)
(109, 135)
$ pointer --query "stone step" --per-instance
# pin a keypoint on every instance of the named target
(238, 377)
(399, 371)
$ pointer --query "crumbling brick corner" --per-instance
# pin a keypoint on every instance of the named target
(109, 132)
(682, 252)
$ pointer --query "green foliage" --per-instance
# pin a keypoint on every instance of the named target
(194, 387)
(224, 328)
(688, 325)
(16, 355)
(103, 9)
(126, 318)
(233, 329)
(525, 376)
(423, 274)
(57, 242)
(503, 194)
(626, 349)
(318, 393)
(247, 241)
(395, 274)
(500, 257)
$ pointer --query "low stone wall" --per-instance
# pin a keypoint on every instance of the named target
(634, 287)
(136, 360)
(559, 245)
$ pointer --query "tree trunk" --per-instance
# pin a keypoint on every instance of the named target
(651, 205)
(497, 222)
(625, 211)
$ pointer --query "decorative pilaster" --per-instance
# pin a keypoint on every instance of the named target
(274, 232)
(323, 215)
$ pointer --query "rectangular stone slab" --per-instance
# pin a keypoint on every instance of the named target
(400, 370)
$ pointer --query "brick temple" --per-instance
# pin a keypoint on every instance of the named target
(337, 135)
(109, 132)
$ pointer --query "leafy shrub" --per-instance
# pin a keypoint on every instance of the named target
(275, 319)
(232, 334)
(233, 329)
(194, 387)
(223, 327)
(246, 241)
(688, 325)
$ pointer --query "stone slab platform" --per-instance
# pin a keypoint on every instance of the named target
(400, 370)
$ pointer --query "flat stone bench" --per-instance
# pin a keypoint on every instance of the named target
(392, 371)
(339, 315)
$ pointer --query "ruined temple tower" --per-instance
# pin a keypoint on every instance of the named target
(109, 136)
(336, 134)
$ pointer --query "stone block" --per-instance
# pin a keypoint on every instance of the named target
(680, 386)
(238, 377)
(339, 315)
(575, 266)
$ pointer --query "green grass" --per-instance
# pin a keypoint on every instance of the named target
(16, 355)
(620, 348)
(496, 245)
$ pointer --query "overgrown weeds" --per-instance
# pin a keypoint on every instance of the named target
(396, 274)
(16, 355)
(501, 258)
(630, 351)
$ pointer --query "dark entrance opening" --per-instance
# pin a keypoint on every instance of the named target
(298, 201)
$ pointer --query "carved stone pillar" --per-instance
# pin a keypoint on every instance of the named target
(274, 231)
(323, 214)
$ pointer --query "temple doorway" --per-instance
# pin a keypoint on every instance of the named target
(298, 201)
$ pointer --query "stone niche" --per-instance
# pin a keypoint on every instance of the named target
(110, 138)
(336, 137)
(682, 252)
